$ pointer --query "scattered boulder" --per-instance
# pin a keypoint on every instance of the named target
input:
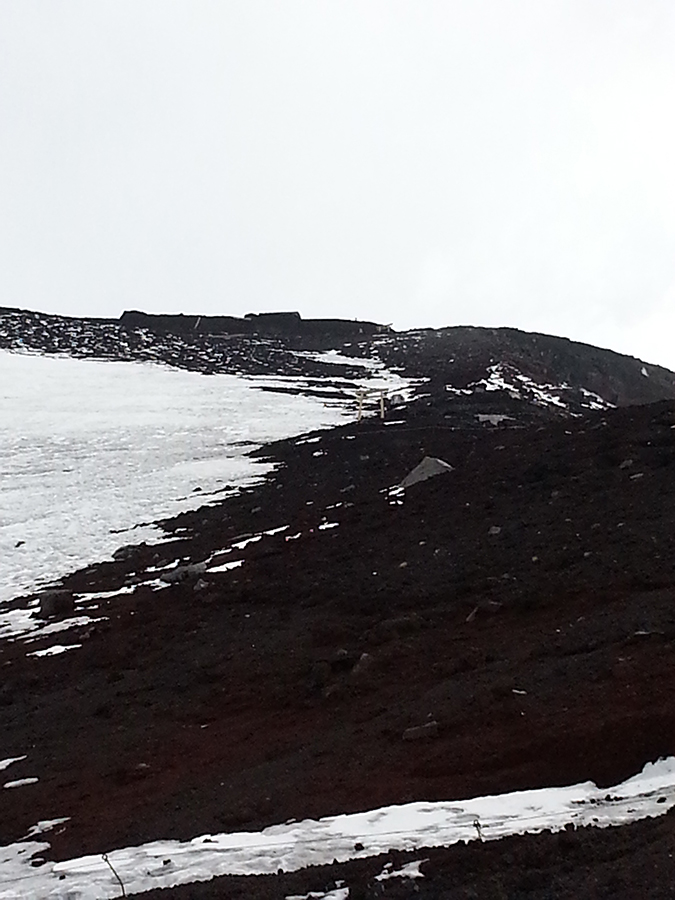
(183, 573)
(365, 662)
(56, 603)
(428, 468)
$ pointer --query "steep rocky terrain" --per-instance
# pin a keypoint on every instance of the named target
(522, 603)
(457, 357)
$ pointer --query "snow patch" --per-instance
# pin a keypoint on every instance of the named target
(225, 567)
(20, 782)
(503, 377)
(341, 893)
(6, 763)
(410, 870)
(493, 419)
(296, 845)
(46, 825)
(55, 650)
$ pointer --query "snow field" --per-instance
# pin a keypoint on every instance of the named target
(92, 452)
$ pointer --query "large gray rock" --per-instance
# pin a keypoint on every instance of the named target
(428, 468)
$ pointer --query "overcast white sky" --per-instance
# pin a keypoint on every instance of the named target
(487, 162)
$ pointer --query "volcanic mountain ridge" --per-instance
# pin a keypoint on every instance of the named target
(523, 603)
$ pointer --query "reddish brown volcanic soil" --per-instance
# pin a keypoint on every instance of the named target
(524, 601)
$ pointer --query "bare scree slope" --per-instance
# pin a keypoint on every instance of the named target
(509, 624)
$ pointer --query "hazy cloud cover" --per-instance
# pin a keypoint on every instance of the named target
(488, 162)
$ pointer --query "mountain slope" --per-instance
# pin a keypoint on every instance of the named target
(523, 602)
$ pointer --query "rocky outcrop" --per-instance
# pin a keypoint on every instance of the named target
(288, 325)
(56, 603)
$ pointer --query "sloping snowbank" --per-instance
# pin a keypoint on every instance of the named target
(295, 846)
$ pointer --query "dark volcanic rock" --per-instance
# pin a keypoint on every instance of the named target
(184, 573)
(242, 352)
(462, 355)
(290, 325)
(56, 603)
